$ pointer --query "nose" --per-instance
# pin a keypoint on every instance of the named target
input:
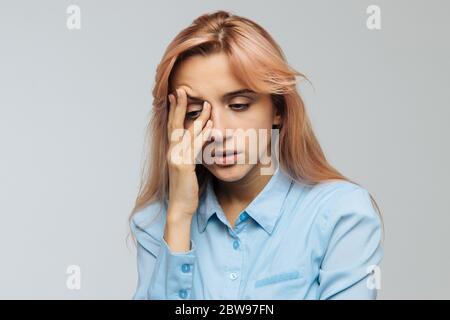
(220, 124)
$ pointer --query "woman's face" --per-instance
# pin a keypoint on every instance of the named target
(210, 79)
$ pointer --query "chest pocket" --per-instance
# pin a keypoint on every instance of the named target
(277, 278)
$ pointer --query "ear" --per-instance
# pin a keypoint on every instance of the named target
(276, 117)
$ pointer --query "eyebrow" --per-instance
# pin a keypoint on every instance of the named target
(226, 96)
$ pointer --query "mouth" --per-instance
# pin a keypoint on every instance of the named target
(225, 157)
(224, 153)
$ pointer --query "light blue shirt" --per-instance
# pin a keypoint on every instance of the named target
(293, 241)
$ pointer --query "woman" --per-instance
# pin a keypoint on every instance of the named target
(232, 228)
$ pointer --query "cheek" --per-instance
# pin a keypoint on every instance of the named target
(256, 117)
(262, 116)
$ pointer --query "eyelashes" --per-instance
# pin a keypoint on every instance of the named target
(193, 114)
(234, 106)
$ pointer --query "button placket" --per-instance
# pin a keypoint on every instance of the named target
(233, 272)
(236, 244)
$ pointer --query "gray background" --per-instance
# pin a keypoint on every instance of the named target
(74, 105)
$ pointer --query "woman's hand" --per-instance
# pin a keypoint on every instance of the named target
(184, 147)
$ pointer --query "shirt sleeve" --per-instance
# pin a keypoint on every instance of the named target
(162, 274)
(350, 266)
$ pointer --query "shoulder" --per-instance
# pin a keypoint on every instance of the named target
(338, 200)
(344, 195)
(147, 225)
(335, 194)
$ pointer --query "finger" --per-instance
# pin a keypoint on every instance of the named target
(180, 110)
(170, 128)
(171, 109)
(201, 139)
(200, 122)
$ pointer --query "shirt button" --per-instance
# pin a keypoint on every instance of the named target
(185, 267)
(235, 244)
(234, 276)
(243, 216)
(183, 293)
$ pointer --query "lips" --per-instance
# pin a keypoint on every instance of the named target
(224, 153)
(226, 158)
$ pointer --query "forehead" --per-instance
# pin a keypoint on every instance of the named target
(201, 75)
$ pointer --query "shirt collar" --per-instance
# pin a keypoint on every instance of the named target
(265, 209)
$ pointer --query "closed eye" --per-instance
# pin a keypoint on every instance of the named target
(239, 106)
(235, 106)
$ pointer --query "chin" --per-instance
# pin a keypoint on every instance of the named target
(229, 173)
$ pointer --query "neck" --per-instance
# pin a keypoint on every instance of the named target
(242, 191)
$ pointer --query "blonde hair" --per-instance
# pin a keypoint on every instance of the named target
(257, 61)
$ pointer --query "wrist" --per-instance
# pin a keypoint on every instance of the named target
(176, 217)
(177, 233)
